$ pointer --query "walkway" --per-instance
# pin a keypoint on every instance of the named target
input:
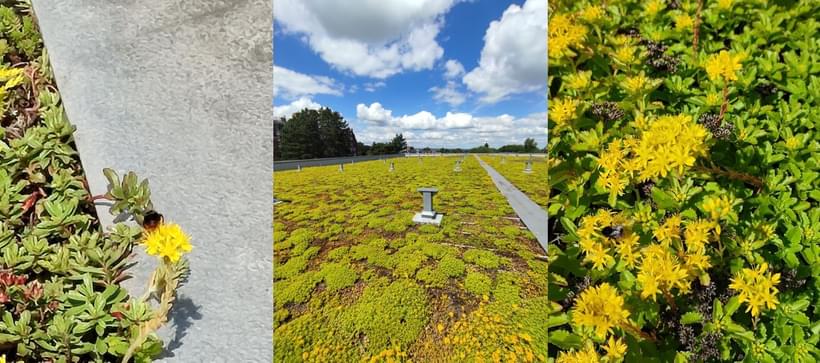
(530, 213)
(179, 91)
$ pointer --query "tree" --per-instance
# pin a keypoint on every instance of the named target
(398, 144)
(530, 146)
(300, 136)
(277, 137)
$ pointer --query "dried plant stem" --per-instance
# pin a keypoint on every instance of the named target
(696, 29)
(725, 105)
(632, 329)
(101, 196)
(734, 175)
(167, 283)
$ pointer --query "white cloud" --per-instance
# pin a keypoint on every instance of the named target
(514, 57)
(448, 94)
(371, 38)
(298, 105)
(373, 113)
(453, 69)
(373, 86)
(291, 84)
(451, 130)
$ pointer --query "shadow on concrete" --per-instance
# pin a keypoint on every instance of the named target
(183, 315)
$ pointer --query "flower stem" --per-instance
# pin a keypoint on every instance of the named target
(696, 29)
(725, 105)
(734, 175)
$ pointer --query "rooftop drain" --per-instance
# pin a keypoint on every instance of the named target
(428, 215)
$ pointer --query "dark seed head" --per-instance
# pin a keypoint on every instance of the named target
(664, 64)
(645, 188)
(607, 111)
(790, 280)
(721, 130)
(632, 32)
(766, 89)
(672, 4)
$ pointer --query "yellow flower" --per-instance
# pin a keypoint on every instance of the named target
(653, 7)
(562, 111)
(669, 142)
(600, 308)
(792, 142)
(591, 13)
(579, 80)
(563, 33)
(635, 84)
(3, 358)
(723, 65)
(660, 270)
(756, 287)
(724, 4)
(168, 241)
(717, 207)
(588, 355)
(714, 99)
(683, 22)
(625, 54)
(615, 348)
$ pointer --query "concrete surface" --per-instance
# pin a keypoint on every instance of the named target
(294, 164)
(180, 92)
(533, 216)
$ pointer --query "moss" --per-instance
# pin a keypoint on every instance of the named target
(338, 254)
(482, 258)
(478, 283)
(310, 252)
(511, 231)
(429, 228)
(295, 290)
(280, 315)
(451, 266)
(388, 316)
(337, 276)
(301, 236)
(506, 288)
(374, 254)
(397, 225)
(291, 268)
(431, 277)
(407, 263)
(436, 251)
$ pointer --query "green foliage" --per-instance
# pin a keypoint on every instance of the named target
(294, 266)
(482, 258)
(392, 315)
(742, 77)
(296, 289)
(432, 277)
(451, 266)
(478, 283)
(337, 276)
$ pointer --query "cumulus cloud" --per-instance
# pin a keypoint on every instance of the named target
(514, 57)
(453, 69)
(298, 105)
(454, 129)
(449, 94)
(374, 113)
(374, 38)
(292, 84)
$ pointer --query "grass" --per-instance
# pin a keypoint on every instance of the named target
(379, 286)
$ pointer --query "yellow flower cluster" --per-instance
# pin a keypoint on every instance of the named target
(167, 241)
(717, 207)
(683, 22)
(668, 264)
(636, 84)
(591, 13)
(473, 337)
(562, 111)
(389, 355)
(757, 288)
(723, 66)
(600, 308)
(597, 247)
(579, 80)
(588, 355)
(653, 7)
(670, 142)
(563, 34)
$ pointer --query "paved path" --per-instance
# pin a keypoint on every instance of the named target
(530, 213)
(180, 92)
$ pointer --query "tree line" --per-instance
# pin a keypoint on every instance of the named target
(323, 133)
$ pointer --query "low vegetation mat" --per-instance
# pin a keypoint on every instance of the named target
(356, 280)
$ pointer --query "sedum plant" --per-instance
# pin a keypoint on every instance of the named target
(60, 273)
(683, 176)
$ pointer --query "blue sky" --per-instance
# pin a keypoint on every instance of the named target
(445, 73)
